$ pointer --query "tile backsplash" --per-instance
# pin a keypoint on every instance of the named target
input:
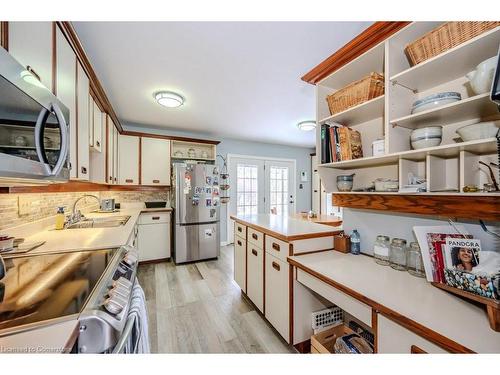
(45, 204)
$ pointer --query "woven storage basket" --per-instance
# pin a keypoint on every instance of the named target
(443, 38)
(356, 93)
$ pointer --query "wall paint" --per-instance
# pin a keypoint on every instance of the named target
(233, 146)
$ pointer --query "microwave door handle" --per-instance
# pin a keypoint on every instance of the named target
(42, 117)
(64, 139)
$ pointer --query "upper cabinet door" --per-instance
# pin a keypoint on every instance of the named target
(110, 155)
(66, 90)
(82, 99)
(116, 154)
(31, 44)
(155, 161)
(96, 143)
(128, 157)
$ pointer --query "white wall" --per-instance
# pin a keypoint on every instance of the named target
(372, 223)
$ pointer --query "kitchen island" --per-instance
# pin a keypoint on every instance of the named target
(262, 244)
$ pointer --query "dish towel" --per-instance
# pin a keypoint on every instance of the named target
(139, 339)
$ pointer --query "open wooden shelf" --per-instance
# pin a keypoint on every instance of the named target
(478, 106)
(451, 64)
(464, 206)
(492, 305)
(480, 146)
(359, 114)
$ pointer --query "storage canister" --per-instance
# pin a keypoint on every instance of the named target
(381, 250)
(414, 260)
(397, 254)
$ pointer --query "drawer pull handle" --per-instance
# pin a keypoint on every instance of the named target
(155, 218)
(254, 252)
(239, 243)
(276, 266)
(129, 181)
(254, 236)
(156, 181)
(240, 229)
(276, 246)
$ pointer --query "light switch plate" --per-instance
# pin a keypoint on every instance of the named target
(23, 205)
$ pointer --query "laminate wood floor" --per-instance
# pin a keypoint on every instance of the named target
(198, 308)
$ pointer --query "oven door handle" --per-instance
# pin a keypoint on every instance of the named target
(42, 117)
(127, 331)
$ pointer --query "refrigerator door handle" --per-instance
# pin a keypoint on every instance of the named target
(202, 223)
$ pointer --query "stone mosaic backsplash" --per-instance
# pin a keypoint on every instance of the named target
(45, 204)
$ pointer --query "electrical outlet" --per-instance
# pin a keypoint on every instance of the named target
(23, 205)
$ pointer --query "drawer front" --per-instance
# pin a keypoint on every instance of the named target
(240, 262)
(154, 217)
(277, 295)
(277, 248)
(255, 276)
(392, 338)
(354, 307)
(312, 244)
(240, 230)
(255, 237)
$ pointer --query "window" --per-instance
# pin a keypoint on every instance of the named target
(246, 189)
(279, 190)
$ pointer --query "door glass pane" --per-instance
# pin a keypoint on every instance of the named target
(278, 190)
(247, 191)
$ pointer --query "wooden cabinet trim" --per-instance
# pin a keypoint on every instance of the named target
(414, 349)
(4, 29)
(169, 137)
(77, 186)
(407, 323)
(369, 38)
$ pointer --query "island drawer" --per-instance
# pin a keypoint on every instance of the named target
(347, 303)
(277, 248)
(154, 218)
(255, 237)
(240, 230)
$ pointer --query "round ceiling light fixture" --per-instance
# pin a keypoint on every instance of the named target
(307, 126)
(169, 99)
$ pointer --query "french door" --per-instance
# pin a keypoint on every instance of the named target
(258, 186)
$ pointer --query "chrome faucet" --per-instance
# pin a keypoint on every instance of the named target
(76, 216)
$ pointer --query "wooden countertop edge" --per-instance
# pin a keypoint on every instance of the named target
(282, 237)
(440, 340)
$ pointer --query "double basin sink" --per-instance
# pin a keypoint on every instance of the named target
(100, 222)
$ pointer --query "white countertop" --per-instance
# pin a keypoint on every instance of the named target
(410, 296)
(286, 228)
(85, 238)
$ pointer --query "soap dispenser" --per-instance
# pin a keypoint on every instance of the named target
(60, 218)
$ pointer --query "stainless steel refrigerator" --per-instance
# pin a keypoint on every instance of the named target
(196, 205)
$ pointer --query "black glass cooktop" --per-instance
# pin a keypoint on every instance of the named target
(37, 288)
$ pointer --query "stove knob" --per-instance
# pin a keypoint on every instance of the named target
(122, 282)
(113, 305)
(130, 259)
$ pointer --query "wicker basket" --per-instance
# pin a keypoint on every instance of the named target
(356, 93)
(443, 38)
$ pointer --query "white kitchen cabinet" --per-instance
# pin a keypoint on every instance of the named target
(115, 154)
(66, 91)
(128, 156)
(97, 126)
(393, 339)
(110, 139)
(240, 262)
(255, 275)
(30, 43)
(277, 294)
(97, 155)
(155, 161)
(83, 122)
(154, 236)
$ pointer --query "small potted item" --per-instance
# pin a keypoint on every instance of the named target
(345, 182)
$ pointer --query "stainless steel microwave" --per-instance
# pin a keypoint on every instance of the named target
(34, 128)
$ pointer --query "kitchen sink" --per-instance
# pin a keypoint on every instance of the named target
(100, 222)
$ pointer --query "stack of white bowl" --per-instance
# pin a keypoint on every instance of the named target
(430, 136)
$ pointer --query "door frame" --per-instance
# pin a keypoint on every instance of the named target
(229, 221)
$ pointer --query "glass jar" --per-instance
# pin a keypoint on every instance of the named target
(397, 254)
(381, 250)
(414, 260)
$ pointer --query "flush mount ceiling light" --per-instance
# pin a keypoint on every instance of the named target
(169, 99)
(307, 126)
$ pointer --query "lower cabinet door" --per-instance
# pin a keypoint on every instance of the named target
(255, 276)
(277, 295)
(153, 241)
(394, 339)
(240, 262)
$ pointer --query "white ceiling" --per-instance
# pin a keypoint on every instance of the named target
(240, 79)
